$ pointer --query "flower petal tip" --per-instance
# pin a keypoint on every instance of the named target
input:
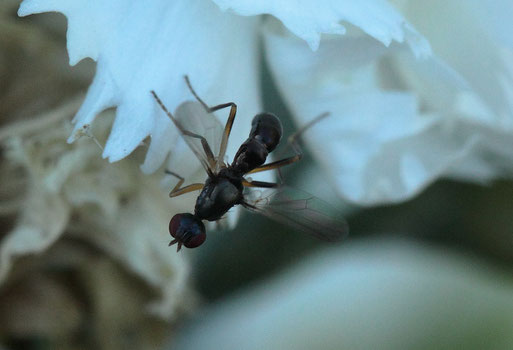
(418, 44)
(26, 8)
(30, 7)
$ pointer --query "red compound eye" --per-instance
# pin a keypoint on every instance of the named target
(188, 230)
(174, 224)
(196, 240)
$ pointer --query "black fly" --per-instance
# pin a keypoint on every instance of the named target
(224, 187)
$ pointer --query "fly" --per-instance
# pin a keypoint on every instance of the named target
(226, 183)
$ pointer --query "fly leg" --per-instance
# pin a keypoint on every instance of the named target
(178, 190)
(229, 122)
(259, 184)
(206, 148)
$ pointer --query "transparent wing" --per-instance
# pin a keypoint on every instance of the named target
(193, 118)
(300, 210)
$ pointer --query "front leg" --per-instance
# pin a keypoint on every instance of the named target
(178, 190)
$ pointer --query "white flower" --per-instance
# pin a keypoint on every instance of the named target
(368, 295)
(63, 208)
(143, 46)
(70, 190)
(401, 123)
(398, 123)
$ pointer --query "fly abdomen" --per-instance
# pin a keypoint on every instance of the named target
(267, 129)
(251, 154)
(265, 134)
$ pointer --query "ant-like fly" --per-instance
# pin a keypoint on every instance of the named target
(224, 187)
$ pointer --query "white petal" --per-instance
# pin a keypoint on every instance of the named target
(41, 224)
(101, 95)
(379, 145)
(495, 16)
(81, 43)
(309, 19)
(381, 295)
(113, 206)
(142, 47)
(137, 237)
(454, 28)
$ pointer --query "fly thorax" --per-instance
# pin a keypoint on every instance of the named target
(216, 198)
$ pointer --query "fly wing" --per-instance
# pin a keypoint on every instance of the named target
(192, 118)
(300, 210)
